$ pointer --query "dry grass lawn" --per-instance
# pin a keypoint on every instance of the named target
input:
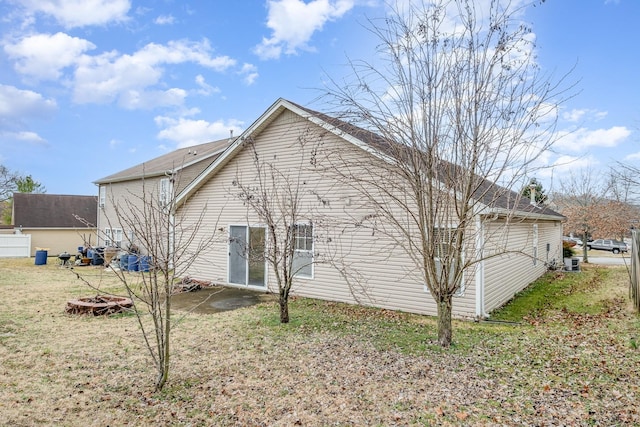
(333, 365)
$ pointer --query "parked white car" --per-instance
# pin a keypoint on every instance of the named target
(576, 240)
(614, 246)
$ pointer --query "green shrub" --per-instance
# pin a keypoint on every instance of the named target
(567, 250)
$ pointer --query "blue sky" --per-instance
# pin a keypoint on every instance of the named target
(91, 87)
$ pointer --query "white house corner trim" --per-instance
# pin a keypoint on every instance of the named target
(479, 277)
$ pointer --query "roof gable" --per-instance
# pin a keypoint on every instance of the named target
(53, 210)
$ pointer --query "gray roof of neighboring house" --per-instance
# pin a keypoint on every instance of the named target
(53, 210)
(174, 161)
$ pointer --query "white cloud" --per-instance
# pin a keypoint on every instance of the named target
(80, 13)
(633, 156)
(205, 88)
(44, 56)
(25, 136)
(563, 165)
(18, 104)
(577, 115)
(293, 23)
(165, 20)
(111, 76)
(250, 73)
(146, 100)
(583, 139)
(187, 132)
(17, 107)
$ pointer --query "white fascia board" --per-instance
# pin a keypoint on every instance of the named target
(230, 151)
(517, 214)
(203, 176)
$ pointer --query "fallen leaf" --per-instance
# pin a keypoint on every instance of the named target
(462, 416)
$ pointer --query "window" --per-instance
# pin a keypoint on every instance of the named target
(165, 192)
(113, 237)
(443, 238)
(303, 250)
(103, 196)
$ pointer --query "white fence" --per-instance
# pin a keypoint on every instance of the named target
(15, 245)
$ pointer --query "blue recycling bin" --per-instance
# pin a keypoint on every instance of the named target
(145, 262)
(132, 263)
(41, 257)
(124, 262)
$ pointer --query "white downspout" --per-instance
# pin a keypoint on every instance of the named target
(480, 313)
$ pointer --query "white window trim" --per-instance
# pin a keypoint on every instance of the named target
(103, 196)
(305, 251)
(165, 191)
(111, 236)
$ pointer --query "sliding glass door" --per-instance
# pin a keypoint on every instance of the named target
(246, 256)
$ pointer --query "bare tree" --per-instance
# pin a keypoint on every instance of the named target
(582, 200)
(8, 183)
(167, 244)
(623, 192)
(275, 193)
(458, 101)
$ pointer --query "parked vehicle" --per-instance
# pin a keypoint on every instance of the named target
(568, 241)
(612, 245)
(575, 239)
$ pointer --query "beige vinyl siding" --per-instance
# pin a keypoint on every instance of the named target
(511, 272)
(190, 173)
(59, 240)
(380, 274)
(124, 194)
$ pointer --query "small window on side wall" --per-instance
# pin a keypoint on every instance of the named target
(165, 191)
(103, 196)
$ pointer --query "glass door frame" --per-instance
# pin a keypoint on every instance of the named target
(247, 262)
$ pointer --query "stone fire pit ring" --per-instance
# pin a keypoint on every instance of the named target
(99, 305)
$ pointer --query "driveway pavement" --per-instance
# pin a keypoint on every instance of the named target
(619, 260)
(603, 257)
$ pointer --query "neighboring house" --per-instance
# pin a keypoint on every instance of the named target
(350, 263)
(157, 179)
(55, 222)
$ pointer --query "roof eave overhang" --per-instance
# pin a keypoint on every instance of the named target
(502, 212)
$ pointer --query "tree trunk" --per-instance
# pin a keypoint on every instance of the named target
(164, 352)
(284, 309)
(444, 321)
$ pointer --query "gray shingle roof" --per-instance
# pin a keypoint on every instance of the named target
(487, 192)
(174, 161)
(53, 210)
